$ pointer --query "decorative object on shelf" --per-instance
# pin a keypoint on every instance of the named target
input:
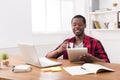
(115, 4)
(4, 57)
(106, 24)
(96, 24)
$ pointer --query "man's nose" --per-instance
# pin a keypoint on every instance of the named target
(77, 26)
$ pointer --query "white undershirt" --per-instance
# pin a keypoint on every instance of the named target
(79, 45)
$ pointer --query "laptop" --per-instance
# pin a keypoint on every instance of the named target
(31, 57)
(74, 53)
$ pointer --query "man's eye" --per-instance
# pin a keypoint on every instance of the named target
(74, 25)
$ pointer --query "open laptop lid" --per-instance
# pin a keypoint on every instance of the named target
(29, 54)
(31, 57)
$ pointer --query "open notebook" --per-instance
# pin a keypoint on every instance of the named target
(30, 56)
(87, 68)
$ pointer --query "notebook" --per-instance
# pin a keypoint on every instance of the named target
(31, 56)
(74, 53)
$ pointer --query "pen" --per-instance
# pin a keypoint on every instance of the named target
(83, 68)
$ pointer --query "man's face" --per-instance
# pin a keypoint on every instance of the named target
(78, 26)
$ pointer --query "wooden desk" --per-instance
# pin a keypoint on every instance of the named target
(36, 74)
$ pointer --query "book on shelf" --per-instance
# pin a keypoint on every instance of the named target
(118, 17)
(96, 24)
(87, 68)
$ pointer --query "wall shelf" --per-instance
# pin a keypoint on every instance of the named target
(105, 29)
(100, 18)
(103, 12)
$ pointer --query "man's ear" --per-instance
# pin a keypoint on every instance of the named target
(85, 25)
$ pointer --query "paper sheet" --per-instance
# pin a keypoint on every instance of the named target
(76, 70)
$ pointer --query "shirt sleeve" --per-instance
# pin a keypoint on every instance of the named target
(100, 52)
(61, 52)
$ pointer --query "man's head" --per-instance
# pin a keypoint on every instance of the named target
(78, 25)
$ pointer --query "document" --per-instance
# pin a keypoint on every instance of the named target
(87, 68)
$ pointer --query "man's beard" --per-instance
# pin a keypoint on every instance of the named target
(79, 34)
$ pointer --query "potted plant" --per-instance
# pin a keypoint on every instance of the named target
(4, 57)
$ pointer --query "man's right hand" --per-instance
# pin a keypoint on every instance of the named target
(62, 47)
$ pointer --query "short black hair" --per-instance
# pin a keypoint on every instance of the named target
(79, 16)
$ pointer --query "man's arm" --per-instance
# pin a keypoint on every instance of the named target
(101, 53)
(53, 54)
(58, 51)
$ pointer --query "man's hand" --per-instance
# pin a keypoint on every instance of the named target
(62, 47)
(88, 58)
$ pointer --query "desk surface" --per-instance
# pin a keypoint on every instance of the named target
(36, 74)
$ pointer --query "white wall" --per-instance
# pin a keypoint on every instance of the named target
(79, 7)
(15, 22)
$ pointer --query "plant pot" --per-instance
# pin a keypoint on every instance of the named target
(5, 62)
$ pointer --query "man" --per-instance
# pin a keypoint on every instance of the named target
(96, 51)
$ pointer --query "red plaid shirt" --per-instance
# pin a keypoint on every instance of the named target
(94, 47)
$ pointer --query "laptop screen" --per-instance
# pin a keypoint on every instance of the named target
(30, 56)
